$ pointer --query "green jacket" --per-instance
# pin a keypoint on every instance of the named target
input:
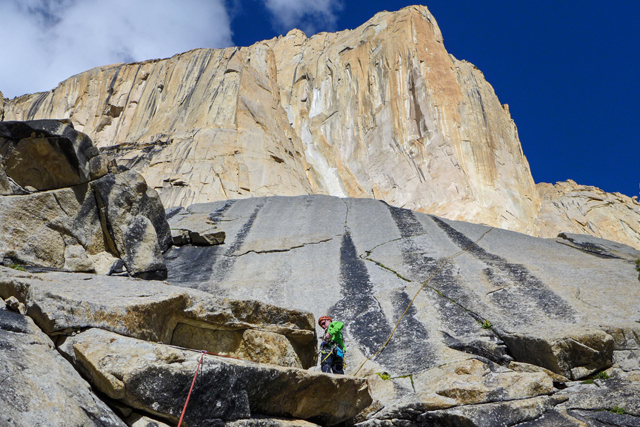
(335, 331)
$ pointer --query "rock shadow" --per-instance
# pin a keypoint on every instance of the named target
(196, 266)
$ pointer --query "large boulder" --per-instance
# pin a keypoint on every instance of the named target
(134, 219)
(63, 303)
(60, 208)
(156, 378)
(57, 228)
(46, 155)
(38, 386)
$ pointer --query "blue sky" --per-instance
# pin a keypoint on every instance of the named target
(568, 70)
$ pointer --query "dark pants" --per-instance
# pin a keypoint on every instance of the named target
(332, 363)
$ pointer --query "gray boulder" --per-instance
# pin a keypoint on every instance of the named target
(37, 386)
(63, 303)
(156, 378)
(135, 222)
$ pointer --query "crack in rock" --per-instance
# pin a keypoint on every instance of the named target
(269, 251)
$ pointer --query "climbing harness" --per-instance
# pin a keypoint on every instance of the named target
(339, 352)
(440, 267)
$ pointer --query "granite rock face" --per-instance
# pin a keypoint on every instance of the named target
(62, 303)
(381, 111)
(481, 295)
(571, 208)
(39, 387)
(61, 208)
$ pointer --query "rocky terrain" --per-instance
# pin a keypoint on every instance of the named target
(382, 111)
(499, 324)
(487, 326)
(62, 207)
(111, 301)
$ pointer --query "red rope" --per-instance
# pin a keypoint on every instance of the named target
(191, 389)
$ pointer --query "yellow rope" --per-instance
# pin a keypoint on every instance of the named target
(440, 267)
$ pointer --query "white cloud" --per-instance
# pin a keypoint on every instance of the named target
(310, 16)
(47, 41)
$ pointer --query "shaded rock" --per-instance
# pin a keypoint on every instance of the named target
(603, 395)
(134, 218)
(606, 418)
(37, 386)
(47, 155)
(491, 414)
(155, 378)
(137, 420)
(180, 237)
(553, 418)
(64, 302)
(270, 422)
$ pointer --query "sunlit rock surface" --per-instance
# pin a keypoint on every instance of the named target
(380, 111)
(478, 297)
(571, 208)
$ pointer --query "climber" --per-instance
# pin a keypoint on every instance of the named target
(332, 346)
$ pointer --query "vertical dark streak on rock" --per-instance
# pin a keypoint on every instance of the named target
(203, 66)
(422, 268)
(33, 110)
(225, 264)
(112, 84)
(216, 216)
(126, 102)
(521, 285)
(365, 320)
(202, 264)
(358, 308)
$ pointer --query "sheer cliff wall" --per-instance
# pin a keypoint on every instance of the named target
(381, 111)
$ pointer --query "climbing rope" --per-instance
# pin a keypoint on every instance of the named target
(196, 373)
(440, 267)
(191, 389)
